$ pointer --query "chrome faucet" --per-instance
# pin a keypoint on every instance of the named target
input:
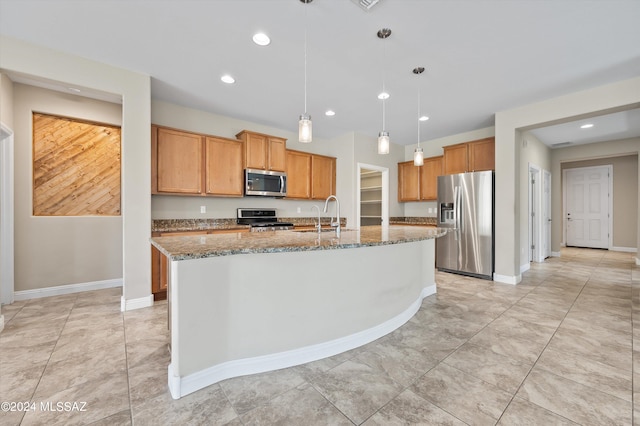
(335, 224)
(318, 227)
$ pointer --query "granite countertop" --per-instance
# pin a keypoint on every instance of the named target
(200, 246)
(185, 225)
(424, 221)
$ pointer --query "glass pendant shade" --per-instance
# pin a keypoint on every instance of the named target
(418, 157)
(383, 142)
(304, 129)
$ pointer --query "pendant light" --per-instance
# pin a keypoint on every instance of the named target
(304, 123)
(383, 136)
(418, 154)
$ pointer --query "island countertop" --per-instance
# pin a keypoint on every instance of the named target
(212, 245)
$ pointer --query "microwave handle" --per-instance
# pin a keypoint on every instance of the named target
(282, 184)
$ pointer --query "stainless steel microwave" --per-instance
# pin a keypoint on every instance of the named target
(265, 183)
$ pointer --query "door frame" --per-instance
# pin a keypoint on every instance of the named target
(610, 202)
(385, 192)
(546, 214)
(535, 216)
(6, 215)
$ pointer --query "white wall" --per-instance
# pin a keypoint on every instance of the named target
(42, 63)
(596, 101)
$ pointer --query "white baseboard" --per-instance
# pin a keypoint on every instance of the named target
(132, 304)
(525, 267)
(181, 386)
(1, 322)
(555, 254)
(66, 289)
(638, 261)
(625, 249)
(507, 279)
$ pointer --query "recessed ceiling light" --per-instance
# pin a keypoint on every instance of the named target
(383, 95)
(330, 113)
(261, 39)
(228, 79)
(75, 89)
(423, 118)
(586, 126)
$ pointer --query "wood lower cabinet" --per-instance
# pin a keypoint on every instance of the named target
(408, 182)
(223, 167)
(298, 174)
(471, 156)
(429, 173)
(176, 162)
(323, 176)
(263, 152)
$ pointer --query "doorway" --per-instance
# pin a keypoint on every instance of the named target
(587, 206)
(6, 216)
(546, 214)
(373, 195)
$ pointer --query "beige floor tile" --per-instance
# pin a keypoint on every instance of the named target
(467, 398)
(523, 413)
(577, 402)
(410, 409)
(123, 418)
(357, 389)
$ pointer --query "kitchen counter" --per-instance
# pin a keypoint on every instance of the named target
(186, 225)
(202, 246)
(409, 220)
(246, 303)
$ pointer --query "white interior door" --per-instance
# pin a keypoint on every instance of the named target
(587, 206)
(546, 213)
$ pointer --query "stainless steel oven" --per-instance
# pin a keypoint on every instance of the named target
(265, 183)
(262, 220)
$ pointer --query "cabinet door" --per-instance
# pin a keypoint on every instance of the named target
(277, 154)
(255, 151)
(456, 159)
(408, 182)
(429, 178)
(223, 167)
(482, 155)
(298, 174)
(179, 162)
(323, 176)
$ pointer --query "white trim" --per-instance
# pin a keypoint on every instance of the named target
(507, 279)
(525, 268)
(625, 249)
(1, 322)
(555, 254)
(66, 289)
(132, 304)
(180, 387)
(638, 261)
(6, 215)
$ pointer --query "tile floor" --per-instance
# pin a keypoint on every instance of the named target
(559, 348)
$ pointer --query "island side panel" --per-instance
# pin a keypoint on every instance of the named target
(247, 306)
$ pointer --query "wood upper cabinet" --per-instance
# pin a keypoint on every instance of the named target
(471, 156)
(456, 159)
(176, 161)
(408, 181)
(298, 174)
(429, 173)
(482, 155)
(263, 152)
(223, 167)
(323, 176)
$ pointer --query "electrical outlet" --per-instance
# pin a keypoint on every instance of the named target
(203, 209)
(299, 210)
(430, 210)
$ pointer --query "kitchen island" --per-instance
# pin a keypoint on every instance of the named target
(244, 303)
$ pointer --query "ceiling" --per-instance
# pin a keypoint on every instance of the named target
(480, 56)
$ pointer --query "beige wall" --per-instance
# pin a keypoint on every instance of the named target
(596, 101)
(625, 186)
(135, 90)
(349, 149)
(52, 251)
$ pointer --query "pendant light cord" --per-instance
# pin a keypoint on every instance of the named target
(384, 77)
(418, 115)
(305, 59)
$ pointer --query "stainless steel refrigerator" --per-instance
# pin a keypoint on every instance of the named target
(465, 207)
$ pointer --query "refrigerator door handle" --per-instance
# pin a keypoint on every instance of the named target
(455, 213)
